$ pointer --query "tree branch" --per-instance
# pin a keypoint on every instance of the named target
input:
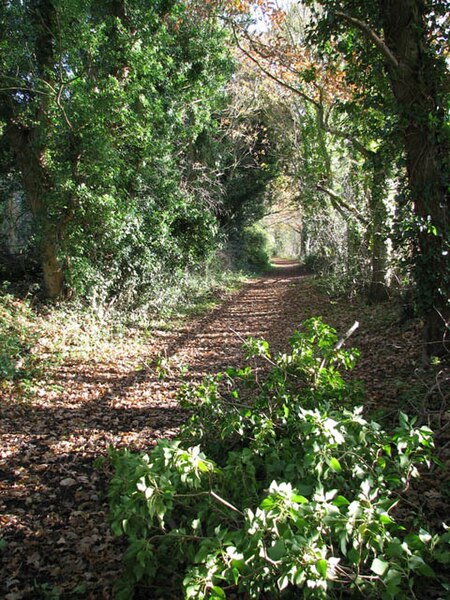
(341, 342)
(346, 335)
(347, 136)
(269, 73)
(372, 36)
(224, 502)
(319, 106)
(341, 202)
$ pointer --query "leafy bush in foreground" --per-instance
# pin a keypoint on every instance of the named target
(275, 486)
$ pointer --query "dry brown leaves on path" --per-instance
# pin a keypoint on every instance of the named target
(53, 508)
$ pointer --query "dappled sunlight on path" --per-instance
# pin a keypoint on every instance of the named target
(53, 508)
(52, 504)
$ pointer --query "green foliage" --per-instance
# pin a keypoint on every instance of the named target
(35, 338)
(339, 31)
(277, 484)
(115, 98)
(246, 154)
(18, 337)
(251, 249)
(337, 253)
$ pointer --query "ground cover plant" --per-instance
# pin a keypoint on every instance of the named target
(278, 483)
(17, 338)
(36, 338)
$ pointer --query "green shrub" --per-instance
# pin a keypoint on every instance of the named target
(18, 336)
(275, 486)
(251, 249)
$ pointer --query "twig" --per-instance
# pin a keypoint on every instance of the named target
(266, 71)
(225, 502)
(340, 343)
(269, 360)
(215, 496)
(345, 337)
(335, 198)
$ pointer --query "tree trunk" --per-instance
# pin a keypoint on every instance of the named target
(378, 291)
(37, 188)
(416, 85)
(52, 270)
(30, 143)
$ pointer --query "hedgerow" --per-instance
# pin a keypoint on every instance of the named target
(278, 486)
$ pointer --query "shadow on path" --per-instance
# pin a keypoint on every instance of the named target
(52, 505)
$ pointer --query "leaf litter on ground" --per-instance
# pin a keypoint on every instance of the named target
(55, 538)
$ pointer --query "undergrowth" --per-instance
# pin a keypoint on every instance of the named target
(19, 334)
(34, 338)
(278, 487)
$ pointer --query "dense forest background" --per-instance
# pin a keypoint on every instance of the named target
(142, 141)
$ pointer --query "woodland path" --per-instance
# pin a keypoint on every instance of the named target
(53, 509)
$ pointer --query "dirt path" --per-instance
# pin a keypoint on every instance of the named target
(53, 511)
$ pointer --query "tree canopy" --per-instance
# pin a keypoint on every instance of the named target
(138, 139)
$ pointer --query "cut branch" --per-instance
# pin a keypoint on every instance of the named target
(225, 502)
(346, 335)
(340, 343)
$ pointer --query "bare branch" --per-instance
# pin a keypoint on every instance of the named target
(349, 137)
(341, 342)
(318, 105)
(224, 502)
(23, 89)
(269, 73)
(346, 335)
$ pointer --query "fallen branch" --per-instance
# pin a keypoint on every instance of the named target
(347, 334)
(224, 502)
(341, 342)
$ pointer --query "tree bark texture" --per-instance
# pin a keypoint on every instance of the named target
(29, 143)
(416, 85)
(37, 188)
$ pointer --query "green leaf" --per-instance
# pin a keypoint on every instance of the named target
(395, 549)
(202, 553)
(416, 563)
(387, 448)
(267, 503)
(379, 566)
(202, 466)
(335, 464)
(299, 499)
(217, 593)
(191, 591)
(277, 551)
(424, 536)
(322, 567)
(385, 519)
(340, 501)
(283, 582)
(392, 578)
